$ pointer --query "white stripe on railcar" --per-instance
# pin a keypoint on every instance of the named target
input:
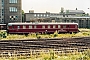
(39, 23)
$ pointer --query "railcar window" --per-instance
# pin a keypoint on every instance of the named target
(30, 27)
(24, 27)
(59, 26)
(43, 27)
(48, 26)
(35, 27)
(18, 27)
(64, 26)
(53, 26)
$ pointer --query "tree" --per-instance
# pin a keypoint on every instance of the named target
(87, 14)
(76, 9)
(62, 10)
(67, 11)
(23, 15)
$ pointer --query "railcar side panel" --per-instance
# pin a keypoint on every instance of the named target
(38, 26)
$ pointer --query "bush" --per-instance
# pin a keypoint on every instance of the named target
(55, 34)
(38, 37)
(3, 34)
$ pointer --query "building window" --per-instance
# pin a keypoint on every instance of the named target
(44, 15)
(13, 17)
(2, 14)
(12, 1)
(2, 10)
(2, 3)
(16, 17)
(12, 9)
(2, 21)
(63, 15)
(47, 15)
(30, 27)
(34, 15)
(41, 15)
(38, 15)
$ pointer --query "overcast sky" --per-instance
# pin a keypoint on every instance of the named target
(54, 6)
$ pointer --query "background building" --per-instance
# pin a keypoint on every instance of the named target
(40, 17)
(74, 16)
(10, 11)
(1, 11)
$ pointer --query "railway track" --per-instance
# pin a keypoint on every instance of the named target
(62, 44)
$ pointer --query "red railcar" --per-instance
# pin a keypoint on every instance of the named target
(42, 27)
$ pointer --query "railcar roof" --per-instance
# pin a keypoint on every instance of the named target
(37, 23)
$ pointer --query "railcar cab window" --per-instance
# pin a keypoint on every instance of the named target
(43, 27)
(24, 27)
(30, 27)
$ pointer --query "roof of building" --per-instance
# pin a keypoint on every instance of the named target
(74, 17)
(76, 11)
